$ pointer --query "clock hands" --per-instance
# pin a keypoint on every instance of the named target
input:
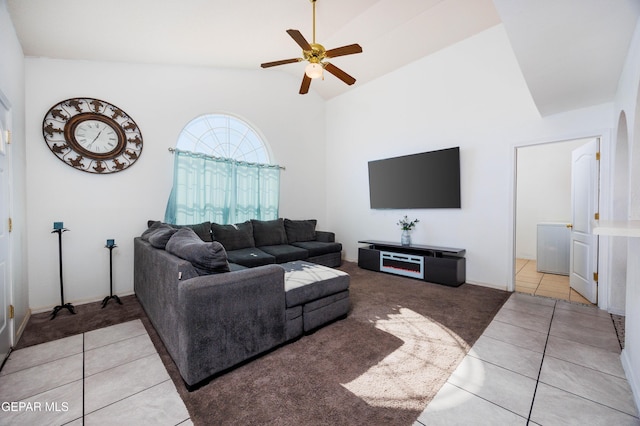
(97, 136)
(100, 130)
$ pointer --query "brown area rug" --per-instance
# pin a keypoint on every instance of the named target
(380, 365)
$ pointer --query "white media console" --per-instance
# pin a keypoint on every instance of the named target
(440, 265)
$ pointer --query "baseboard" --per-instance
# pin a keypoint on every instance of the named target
(22, 327)
(494, 286)
(76, 303)
(616, 311)
(633, 377)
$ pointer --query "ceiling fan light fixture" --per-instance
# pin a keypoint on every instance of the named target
(315, 54)
(313, 70)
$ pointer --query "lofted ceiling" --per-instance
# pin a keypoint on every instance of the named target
(571, 52)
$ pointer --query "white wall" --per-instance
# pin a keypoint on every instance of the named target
(543, 191)
(628, 101)
(470, 95)
(161, 99)
(12, 85)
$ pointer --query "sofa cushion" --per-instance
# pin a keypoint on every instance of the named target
(203, 230)
(161, 237)
(250, 257)
(300, 230)
(269, 232)
(285, 252)
(234, 237)
(235, 267)
(318, 248)
(206, 257)
(321, 311)
(305, 282)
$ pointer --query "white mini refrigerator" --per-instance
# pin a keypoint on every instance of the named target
(553, 248)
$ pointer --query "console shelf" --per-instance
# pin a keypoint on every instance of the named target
(441, 265)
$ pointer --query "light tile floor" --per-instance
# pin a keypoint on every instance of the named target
(540, 362)
(530, 281)
(108, 376)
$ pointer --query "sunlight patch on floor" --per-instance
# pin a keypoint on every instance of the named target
(472, 373)
(405, 377)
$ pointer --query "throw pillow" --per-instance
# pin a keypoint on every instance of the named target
(158, 235)
(202, 230)
(269, 232)
(152, 227)
(206, 257)
(234, 237)
(300, 230)
(161, 236)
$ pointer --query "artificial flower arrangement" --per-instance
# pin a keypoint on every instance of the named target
(407, 224)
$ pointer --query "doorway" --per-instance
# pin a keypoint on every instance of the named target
(543, 218)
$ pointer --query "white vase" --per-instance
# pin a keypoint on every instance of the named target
(405, 239)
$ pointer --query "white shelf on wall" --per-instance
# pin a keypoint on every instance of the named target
(630, 228)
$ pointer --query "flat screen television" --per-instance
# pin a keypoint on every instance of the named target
(429, 180)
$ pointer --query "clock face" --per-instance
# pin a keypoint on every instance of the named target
(96, 136)
(92, 135)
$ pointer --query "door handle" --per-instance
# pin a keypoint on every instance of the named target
(570, 226)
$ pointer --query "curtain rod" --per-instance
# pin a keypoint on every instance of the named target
(173, 150)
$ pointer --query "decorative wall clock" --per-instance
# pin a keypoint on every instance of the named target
(92, 135)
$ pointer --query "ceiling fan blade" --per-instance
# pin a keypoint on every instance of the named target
(299, 38)
(339, 73)
(306, 82)
(344, 50)
(282, 62)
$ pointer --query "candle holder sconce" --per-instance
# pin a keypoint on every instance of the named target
(110, 245)
(58, 228)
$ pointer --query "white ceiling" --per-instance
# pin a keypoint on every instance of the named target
(571, 51)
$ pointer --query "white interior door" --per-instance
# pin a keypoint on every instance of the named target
(5, 271)
(583, 250)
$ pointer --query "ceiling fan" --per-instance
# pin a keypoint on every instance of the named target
(316, 55)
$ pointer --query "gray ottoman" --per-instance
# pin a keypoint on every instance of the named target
(315, 295)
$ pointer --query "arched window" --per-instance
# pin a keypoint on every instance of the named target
(223, 136)
(222, 174)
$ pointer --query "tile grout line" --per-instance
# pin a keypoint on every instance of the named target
(125, 363)
(593, 401)
(559, 296)
(134, 394)
(544, 351)
(124, 339)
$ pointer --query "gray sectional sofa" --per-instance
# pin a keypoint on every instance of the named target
(216, 308)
